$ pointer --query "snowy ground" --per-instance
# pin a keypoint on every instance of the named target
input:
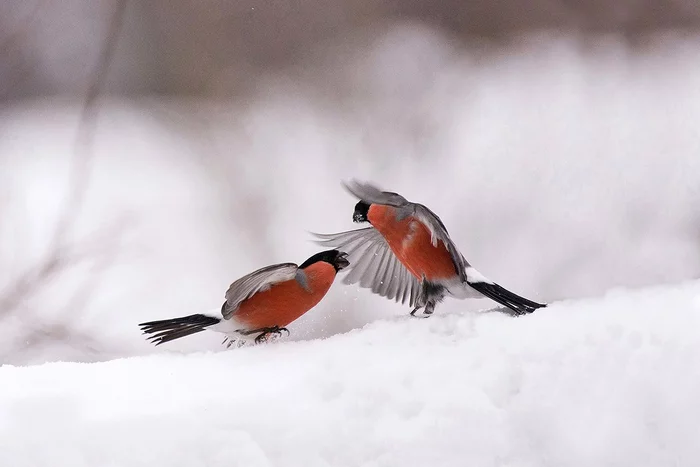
(612, 381)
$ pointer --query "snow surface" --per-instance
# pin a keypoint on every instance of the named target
(612, 381)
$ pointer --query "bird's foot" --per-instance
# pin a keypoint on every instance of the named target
(423, 314)
(427, 312)
(266, 333)
(233, 342)
(270, 334)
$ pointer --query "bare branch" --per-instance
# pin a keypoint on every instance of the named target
(61, 255)
(83, 155)
(103, 250)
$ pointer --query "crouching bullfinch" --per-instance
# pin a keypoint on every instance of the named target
(407, 255)
(261, 303)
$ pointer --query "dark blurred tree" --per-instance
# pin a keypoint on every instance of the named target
(64, 252)
(203, 47)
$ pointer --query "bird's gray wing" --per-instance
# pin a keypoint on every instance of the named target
(373, 265)
(438, 233)
(373, 195)
(467, 273)
(256, 281)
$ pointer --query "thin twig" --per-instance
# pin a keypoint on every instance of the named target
(59, 254)
(84, 153)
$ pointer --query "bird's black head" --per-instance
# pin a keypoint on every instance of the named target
(360, 214)
(337, 259)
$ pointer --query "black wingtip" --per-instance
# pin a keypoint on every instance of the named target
(519, 305)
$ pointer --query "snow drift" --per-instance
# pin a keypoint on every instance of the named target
(612, 381)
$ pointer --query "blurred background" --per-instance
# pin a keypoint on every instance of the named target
(153, 152)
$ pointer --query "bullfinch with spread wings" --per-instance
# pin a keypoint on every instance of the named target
(407, 255)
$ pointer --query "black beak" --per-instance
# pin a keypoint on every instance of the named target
(358, 217)
(341, 261)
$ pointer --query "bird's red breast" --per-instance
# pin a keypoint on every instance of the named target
(284, 302)
(410, 241)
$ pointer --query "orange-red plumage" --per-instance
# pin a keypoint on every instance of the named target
(410, 240)
(286, 301)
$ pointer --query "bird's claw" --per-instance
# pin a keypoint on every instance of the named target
(427, 312)
(276, 330)
(421, 316)
(231, 342)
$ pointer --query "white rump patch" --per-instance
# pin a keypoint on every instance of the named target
(475, 276)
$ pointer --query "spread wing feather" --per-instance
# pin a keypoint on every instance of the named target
(373, 195)
(373, 265)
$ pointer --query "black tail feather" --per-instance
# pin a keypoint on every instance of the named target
(495, 292)
(170, 329)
